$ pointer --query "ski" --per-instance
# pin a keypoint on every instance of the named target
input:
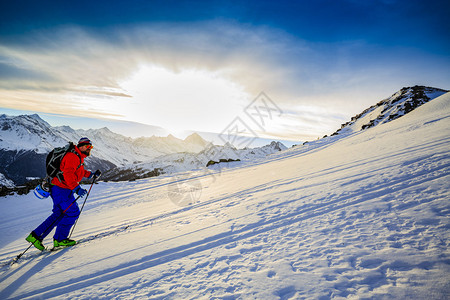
(53, 249)
(48, 250)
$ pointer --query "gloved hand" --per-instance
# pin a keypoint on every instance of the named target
(79, 191)
(95, 174)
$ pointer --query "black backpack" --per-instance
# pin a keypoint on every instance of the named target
(54, 158)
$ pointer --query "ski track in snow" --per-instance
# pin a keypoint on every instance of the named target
(366, 216)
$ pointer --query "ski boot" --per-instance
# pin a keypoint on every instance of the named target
(34, 239)
(64, 243)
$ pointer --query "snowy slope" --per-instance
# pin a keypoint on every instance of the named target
(364, 217)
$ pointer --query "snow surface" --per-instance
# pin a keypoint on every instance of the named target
(360, 216)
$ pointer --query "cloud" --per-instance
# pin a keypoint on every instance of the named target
(80, 71)
(73, 59)
(9, 71)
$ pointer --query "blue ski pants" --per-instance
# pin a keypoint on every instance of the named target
(62, 199)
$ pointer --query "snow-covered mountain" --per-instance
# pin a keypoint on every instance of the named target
(397, 105)
(365, 216)
(30, 132)
(25, 140)
(220, 156)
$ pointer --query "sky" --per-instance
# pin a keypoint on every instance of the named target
(287, 70)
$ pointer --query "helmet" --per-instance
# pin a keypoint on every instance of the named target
(84, 141)
(40, 192)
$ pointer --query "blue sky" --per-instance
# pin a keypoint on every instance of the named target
(197, 65)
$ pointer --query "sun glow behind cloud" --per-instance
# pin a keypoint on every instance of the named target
(139, 74)
(187, 99)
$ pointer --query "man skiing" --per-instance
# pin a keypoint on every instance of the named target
(65, 209)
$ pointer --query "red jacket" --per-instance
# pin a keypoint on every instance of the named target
(73, 170)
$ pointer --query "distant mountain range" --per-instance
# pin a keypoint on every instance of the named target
(25, 141)
(212, 156)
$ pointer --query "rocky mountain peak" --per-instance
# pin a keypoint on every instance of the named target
(400, 103)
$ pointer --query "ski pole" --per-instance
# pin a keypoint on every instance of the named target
(50, 226)
(93, 181)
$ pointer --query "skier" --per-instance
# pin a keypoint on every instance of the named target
(62, 193)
